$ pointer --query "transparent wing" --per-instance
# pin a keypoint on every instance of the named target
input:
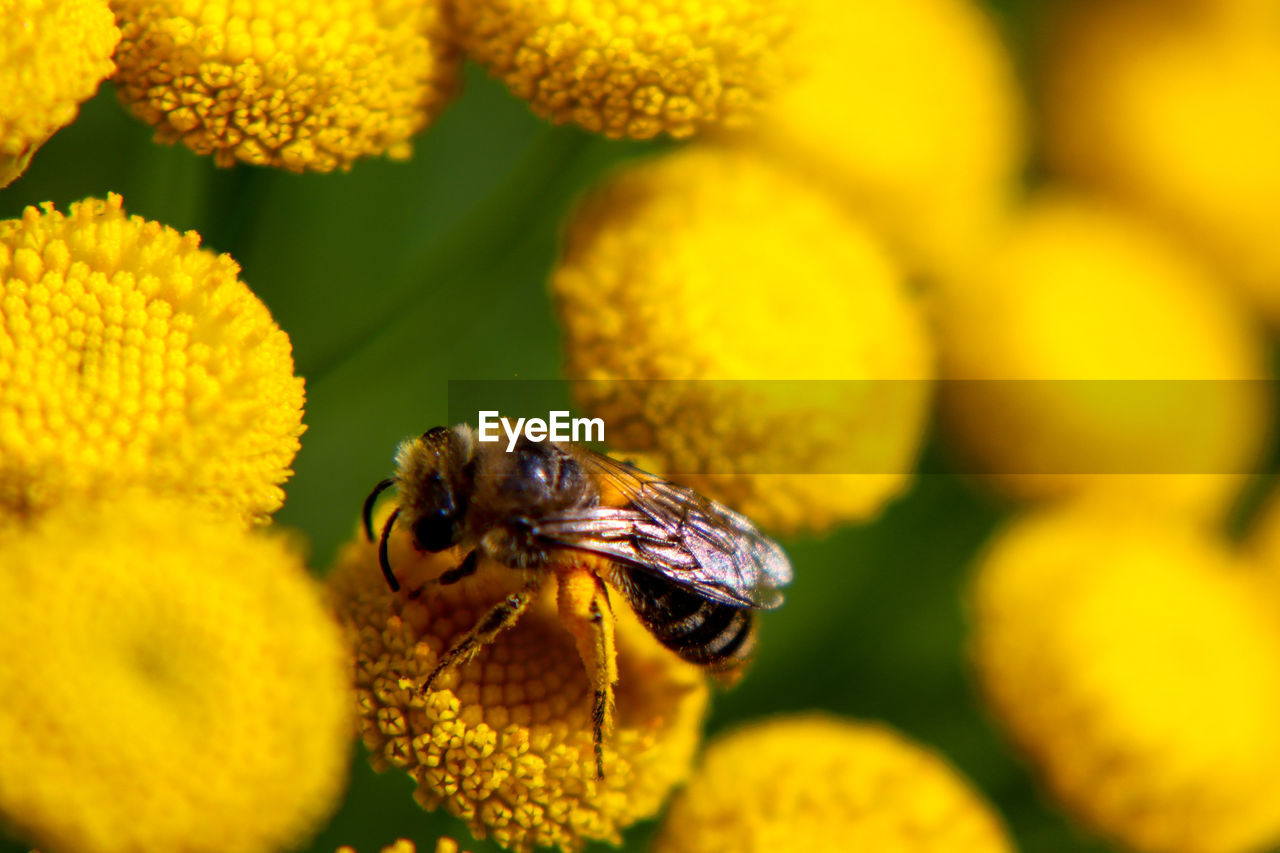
(672, 531)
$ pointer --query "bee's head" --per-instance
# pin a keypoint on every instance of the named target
(434, 476)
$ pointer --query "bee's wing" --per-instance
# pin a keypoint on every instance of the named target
(672, 531)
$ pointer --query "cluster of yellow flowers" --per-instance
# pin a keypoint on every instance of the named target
(1098, 341)
(1106, 361)
(171, 677)
(777, 261)
(309, 87)
(766, 314)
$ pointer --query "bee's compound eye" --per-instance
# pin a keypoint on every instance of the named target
(436, 433)
(434, 532)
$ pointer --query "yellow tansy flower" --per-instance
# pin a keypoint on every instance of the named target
(129, 355)
(171, 682)
(1179, 114)
(717, 264)
(505, 741)
(303, 86)
(1105, 357)
(53, 56)
(910, 110)
(1136, 662)
(633, 69)
(816, 783)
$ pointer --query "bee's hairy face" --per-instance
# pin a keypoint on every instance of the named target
(434, 478)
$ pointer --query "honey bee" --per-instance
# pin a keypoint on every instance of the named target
(693, 571)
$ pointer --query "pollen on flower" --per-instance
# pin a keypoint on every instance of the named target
(633, 69)
(814, 782)
(171, 682)
(713, 263)
(53, 56)
(1136, 663)
(302, 86)
(505, 742)
(910, 111)
(131, 356)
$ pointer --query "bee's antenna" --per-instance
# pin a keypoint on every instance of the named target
(382, 551)
(368, 505)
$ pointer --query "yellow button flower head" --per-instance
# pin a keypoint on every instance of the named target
(505, 742)
(910, 110)
(171, 682)
(1180, 114)
(129, 355)
(299, 85)
(1136, 662)
(53, 56)
(812, 782)
(633, 69)
(714, 263)
(1078, 294)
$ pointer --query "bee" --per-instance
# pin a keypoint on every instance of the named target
(693, 571)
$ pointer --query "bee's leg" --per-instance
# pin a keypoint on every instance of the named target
(465, 569)
(503, 615)
(584, 606)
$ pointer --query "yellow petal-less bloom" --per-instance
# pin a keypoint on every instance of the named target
(910, 110)
(1180, 115)
(303, 86)
(505, 741)
(171, 682)
(53, 56)
(1136, 663)
(1108, 358)
(812, 782)
(129, 355)
(633, 69)
(718, 264)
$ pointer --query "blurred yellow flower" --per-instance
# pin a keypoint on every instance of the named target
(633, 69)
(1078, 295)
(1263, 542)
(129, 355)
(1180, 115)
(816, 783)
(505, 741)
(53, 56)
(1136, 663)
(171, 682)
(717, 264)
(302, 86)
(910, 110)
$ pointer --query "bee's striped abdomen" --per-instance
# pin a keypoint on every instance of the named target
(708, 633)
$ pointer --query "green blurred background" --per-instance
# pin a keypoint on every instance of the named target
(397, 277)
